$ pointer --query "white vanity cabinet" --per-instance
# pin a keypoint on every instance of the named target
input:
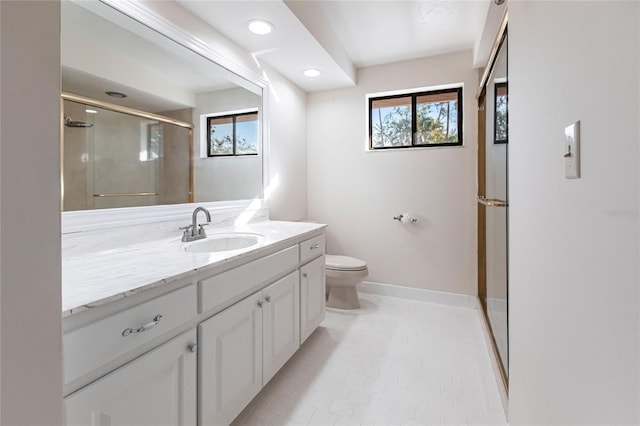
(242, 347)
(196, 353)
(230, 361)
(312, 285)
(158, 388)
(312, 296)
(281, 324)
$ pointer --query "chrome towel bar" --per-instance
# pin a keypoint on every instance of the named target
(127, 194)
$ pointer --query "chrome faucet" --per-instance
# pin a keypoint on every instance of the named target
(194, 231)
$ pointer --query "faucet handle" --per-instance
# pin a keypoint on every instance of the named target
(201, 230)
(187, 234)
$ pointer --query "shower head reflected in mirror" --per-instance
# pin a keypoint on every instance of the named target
(70, 123)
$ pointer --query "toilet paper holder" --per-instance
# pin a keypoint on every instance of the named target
(405, 218)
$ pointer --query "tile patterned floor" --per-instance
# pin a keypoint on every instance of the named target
(392, 362)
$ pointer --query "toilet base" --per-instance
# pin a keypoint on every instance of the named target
(342, 297)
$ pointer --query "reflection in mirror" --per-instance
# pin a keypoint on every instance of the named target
(116, 157)
(501, 122)
(150, 145)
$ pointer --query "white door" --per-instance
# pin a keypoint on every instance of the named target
(230, 361)
(159, 388)
(281, 324)
(312, 297)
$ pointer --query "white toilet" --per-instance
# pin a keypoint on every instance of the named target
(343, 275)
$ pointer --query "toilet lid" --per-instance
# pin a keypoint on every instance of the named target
(344, 263)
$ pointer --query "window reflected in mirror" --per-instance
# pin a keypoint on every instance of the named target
(232, 134)
(501, 123)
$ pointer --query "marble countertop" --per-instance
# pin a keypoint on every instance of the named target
(101, 277)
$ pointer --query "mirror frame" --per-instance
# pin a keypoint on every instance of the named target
(85, 220)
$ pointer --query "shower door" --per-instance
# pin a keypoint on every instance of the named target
(116, 157)
(493, 205)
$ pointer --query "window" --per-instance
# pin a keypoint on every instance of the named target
(422, 119)
(233, 134)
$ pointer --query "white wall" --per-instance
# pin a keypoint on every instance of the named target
(30, 332)
(358, 192)
(574, 244)
(287, 194)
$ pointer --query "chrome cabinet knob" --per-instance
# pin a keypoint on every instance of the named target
(267, 299)
(193, 348)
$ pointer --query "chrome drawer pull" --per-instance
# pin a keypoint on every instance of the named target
(315, 246)
(156, 321)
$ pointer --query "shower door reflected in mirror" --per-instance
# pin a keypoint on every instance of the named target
(493, 205)
(113, 159)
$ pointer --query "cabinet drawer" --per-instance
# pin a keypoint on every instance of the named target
(100, 342)
(312, 248)
(221, 290)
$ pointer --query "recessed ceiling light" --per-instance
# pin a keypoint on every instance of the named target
(260, 27)
(311, 72)
(91, 111)
(116, 94)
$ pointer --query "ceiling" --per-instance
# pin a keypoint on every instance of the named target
(336, 37)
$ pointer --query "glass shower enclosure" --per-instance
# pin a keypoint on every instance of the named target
(115, 159)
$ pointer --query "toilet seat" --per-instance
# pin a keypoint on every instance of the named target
(344, 263)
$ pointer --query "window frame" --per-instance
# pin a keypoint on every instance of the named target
(414, 95)
(234, 117)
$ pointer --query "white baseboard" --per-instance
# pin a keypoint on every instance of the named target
(439, 297)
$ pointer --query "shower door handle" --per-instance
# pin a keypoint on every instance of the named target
(492, 202)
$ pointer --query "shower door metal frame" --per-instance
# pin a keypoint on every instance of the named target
(482, 202)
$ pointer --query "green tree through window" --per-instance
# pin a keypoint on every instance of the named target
(420, 119)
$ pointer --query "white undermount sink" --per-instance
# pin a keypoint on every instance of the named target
(216, 243)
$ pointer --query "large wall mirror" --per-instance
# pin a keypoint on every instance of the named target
(146, 121)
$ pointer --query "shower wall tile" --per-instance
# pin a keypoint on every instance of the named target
(75, 158)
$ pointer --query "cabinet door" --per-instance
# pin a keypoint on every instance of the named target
(230, 361)
(312, 297)
(159, 388)
(281, 324)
